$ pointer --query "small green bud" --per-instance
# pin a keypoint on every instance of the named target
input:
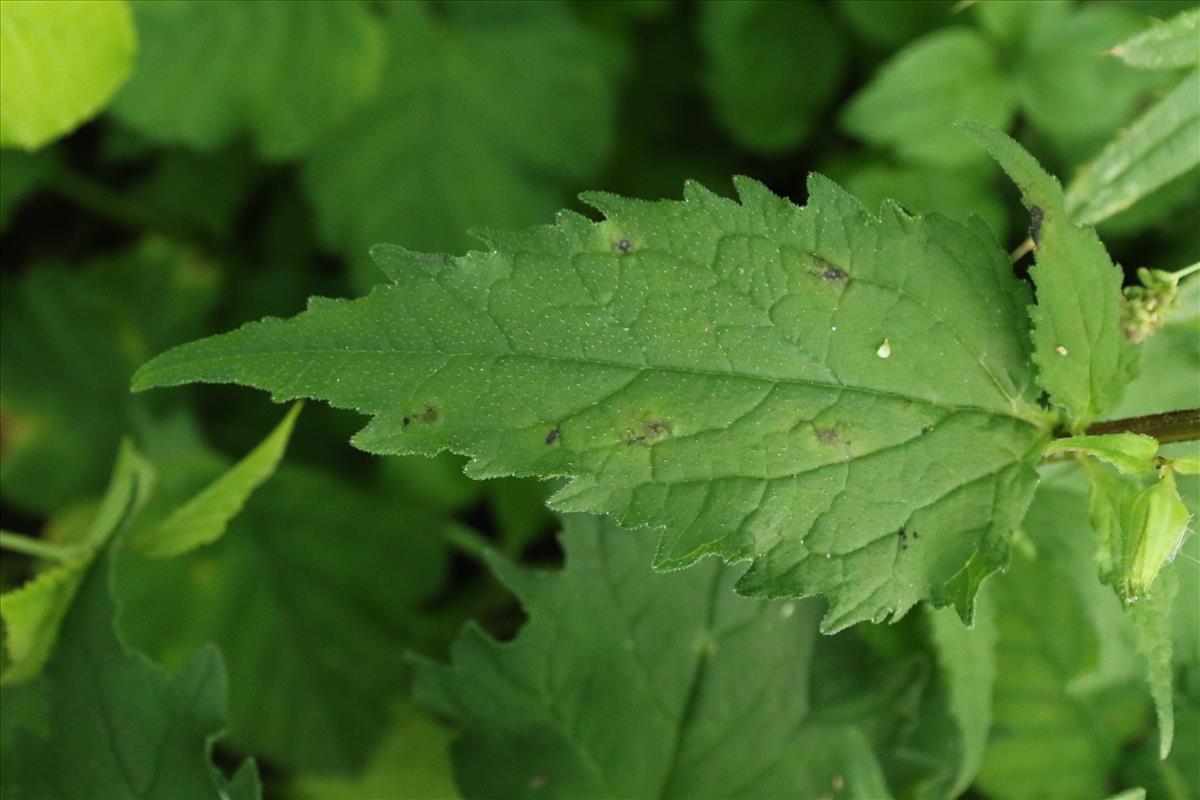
(1155, 521)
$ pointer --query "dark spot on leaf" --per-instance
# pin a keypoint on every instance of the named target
(903, 533)
(827, 270)
(916, 535)
(650, 432)
(552, 436)
(406, 421)
(1036, 215)
(430, 414)
(828, 435)
(624, 245)
(928, 429)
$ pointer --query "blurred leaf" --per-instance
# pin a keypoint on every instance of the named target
(772, 69)
(202, 518)
(891, 23)
(1166, 45)
(33, 612)
(21, 174)
(487, 113)
(1158, 147)
(1070, 90)
(69, 341)
(1178, 776)
(1052, 737)
(285, 72)
(968, 659)
(196, 193)
(956, 193)
(706, 693)
(117, 726)
(60, 62)
(411, 763)
(312, 593)
(912, 102)
(1013, 20)
(1083, 358)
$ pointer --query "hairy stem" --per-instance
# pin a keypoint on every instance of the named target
(1171, 426)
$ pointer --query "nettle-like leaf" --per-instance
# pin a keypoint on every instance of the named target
(1165, 45)
(672, 656)
(69, 342)
(209, 71)
(108, 723)
(327, 576)
(843, 399)
(1157, 148)
(518, 99)
(912, 102)
(1066, 667)
(757, 50)
(59, 64)
(33, 612)
(1084, 359)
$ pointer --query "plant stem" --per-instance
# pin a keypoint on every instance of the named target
(27, 545)
(1180, 274)
(1171, 426)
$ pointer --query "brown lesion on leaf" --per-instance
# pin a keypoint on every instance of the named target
(826, 270)
(429, 415)
(553, 436)
(828, 435)
(1036, 216)
(623, 245)
(651, 431)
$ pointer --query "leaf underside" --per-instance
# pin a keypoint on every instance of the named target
(843, 399)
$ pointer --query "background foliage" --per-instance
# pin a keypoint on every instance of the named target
(204, 170)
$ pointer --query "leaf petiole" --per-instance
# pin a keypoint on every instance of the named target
(36, 548)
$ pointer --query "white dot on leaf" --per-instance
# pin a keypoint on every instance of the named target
(885, 349)
(1062, 351)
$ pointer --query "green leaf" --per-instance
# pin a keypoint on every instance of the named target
(912, 102)
(60, 63)
(1070, 91)
(411, 763)
(1166, 45)
(706, 693)
(21, 174)
(69, 342)
(892, 23)
(1060, 715)
(517, 99)
(33, 612)
(968, 657)
(757, 52)
(1130, 453)
(202, 519)
(955, 193)
(1013, 20)
(1157, 148)
(1130, 794)
(118, 726)
(208, 72)
(710, 367)
(312, 593)
(1152, 622)
(1083, 357)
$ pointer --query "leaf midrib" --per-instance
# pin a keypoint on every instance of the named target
(145, 378)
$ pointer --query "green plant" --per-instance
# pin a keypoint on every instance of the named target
(831, 415)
